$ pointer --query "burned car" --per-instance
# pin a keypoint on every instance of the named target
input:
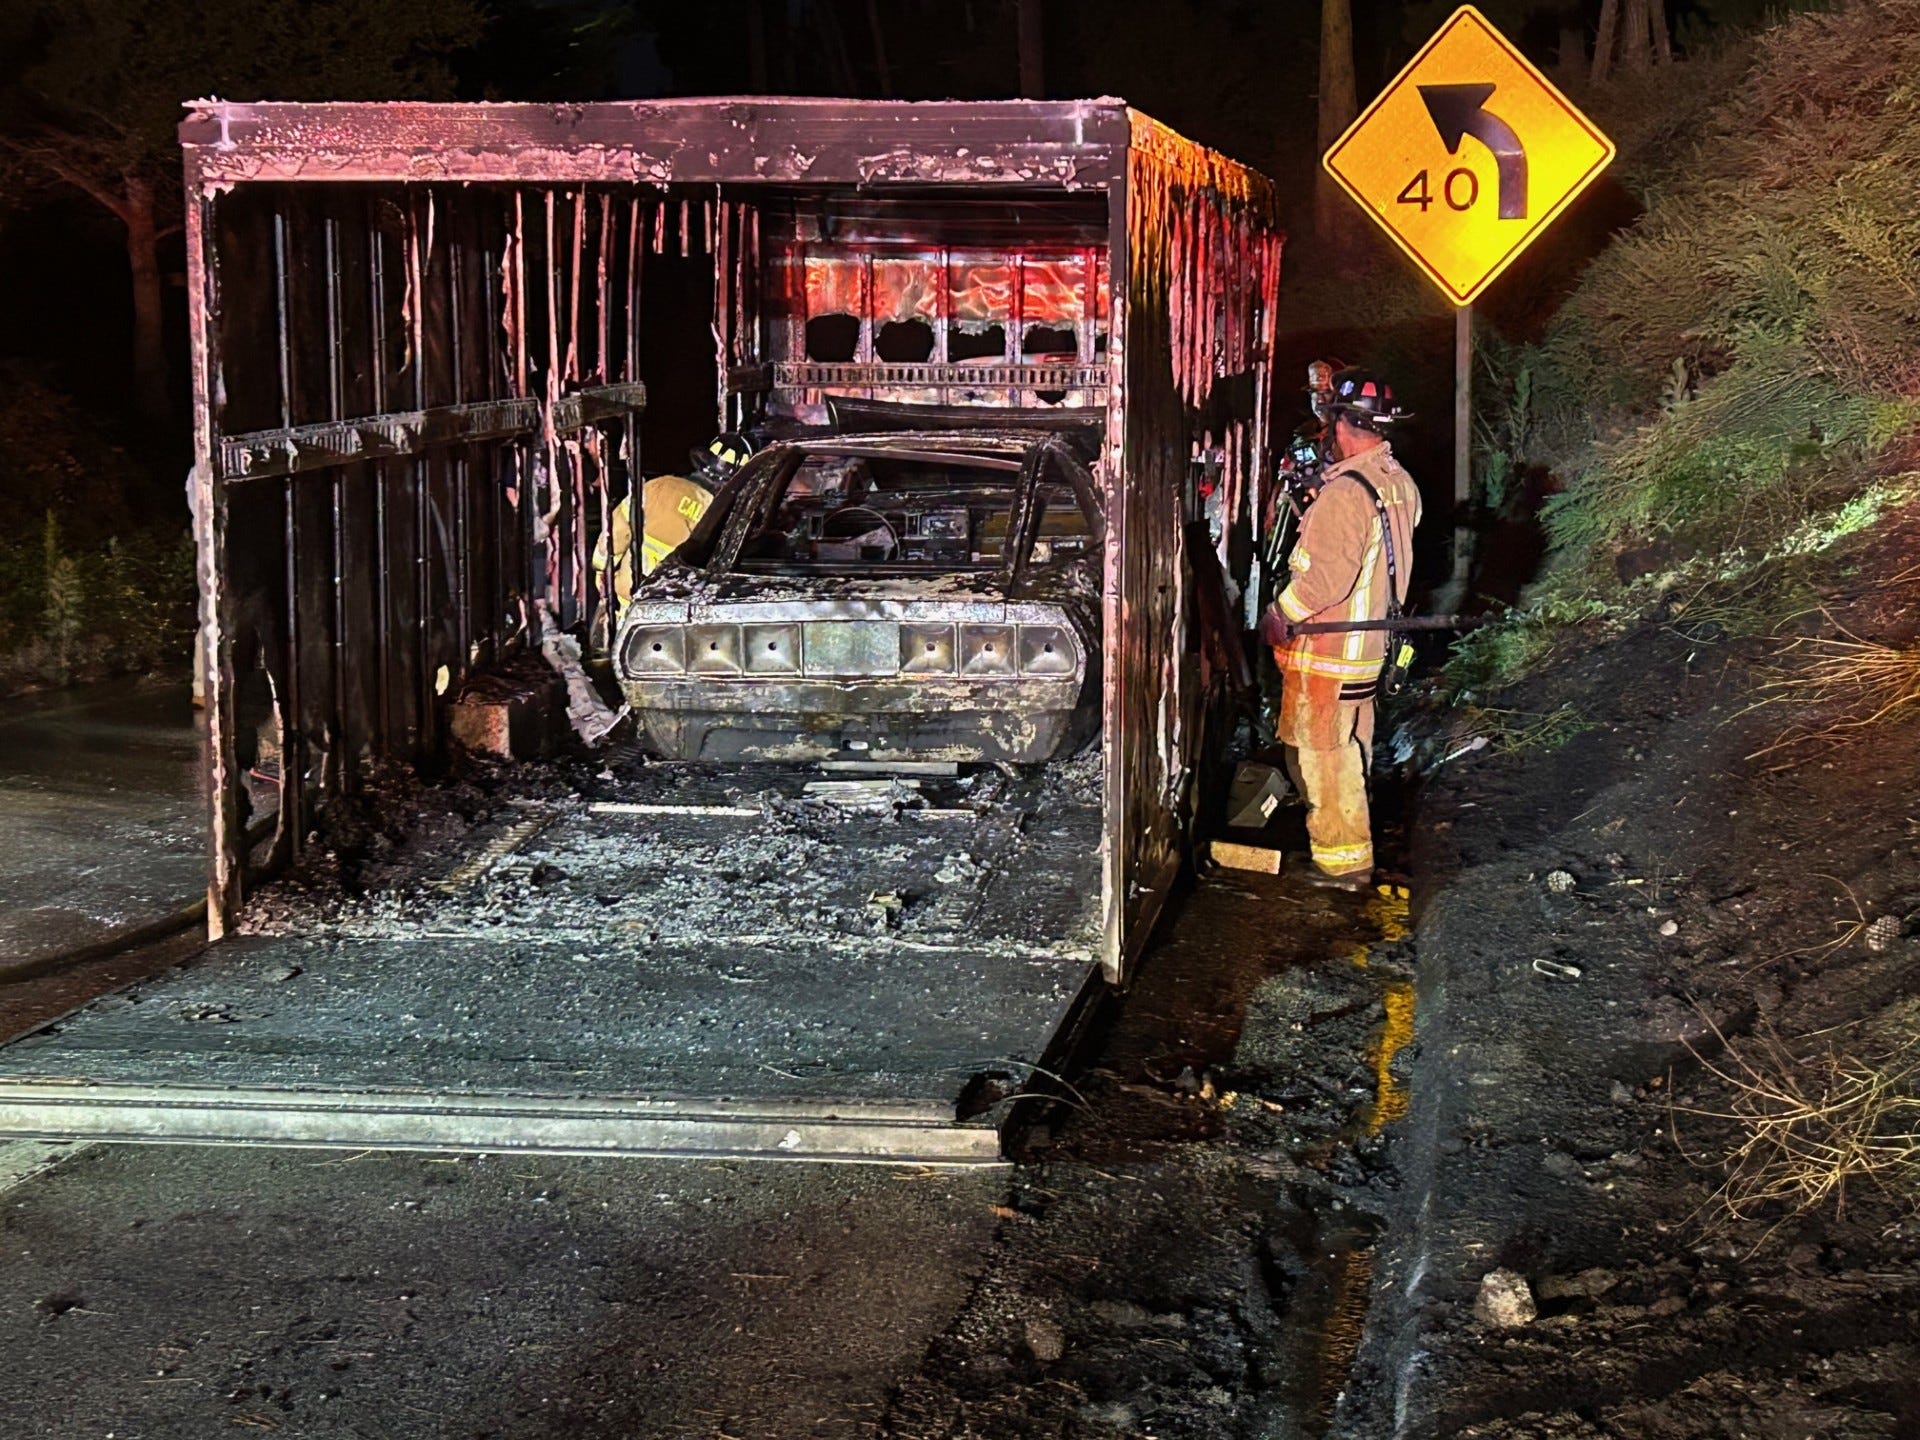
(926, 595)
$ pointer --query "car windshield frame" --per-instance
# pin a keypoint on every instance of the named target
(765, 482)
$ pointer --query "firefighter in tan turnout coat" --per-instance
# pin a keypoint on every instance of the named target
(1330, 679)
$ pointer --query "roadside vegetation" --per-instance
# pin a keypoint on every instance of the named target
(1718, 432)
(120, 607)
(92, 583)
(1733, 383)
(1814, 1121)
(1850, 684)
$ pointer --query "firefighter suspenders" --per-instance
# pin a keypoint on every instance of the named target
(1386, 543)
(1399, 656)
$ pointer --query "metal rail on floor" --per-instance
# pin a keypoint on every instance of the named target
(903, 1134)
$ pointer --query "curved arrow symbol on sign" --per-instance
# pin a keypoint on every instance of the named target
(1460, 110)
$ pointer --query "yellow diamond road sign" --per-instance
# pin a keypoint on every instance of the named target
(1468, 155)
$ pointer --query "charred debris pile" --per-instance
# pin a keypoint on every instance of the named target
(403, 856)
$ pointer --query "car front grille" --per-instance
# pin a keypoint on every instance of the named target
(850, 650)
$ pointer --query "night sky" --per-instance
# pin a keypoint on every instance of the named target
(1239, 75)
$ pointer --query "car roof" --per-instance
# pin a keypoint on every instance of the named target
(906, 443)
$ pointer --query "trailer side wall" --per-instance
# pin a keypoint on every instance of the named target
(1199, 250)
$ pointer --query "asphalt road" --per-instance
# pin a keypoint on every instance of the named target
(150, 1292)
(101, 823)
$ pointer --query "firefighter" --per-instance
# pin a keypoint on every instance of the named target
(1340, 573)
(673, 505)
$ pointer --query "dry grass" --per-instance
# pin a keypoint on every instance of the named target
(1814, 1121)
(1845, 933)
(1515, 732)
(1867, 682)
(1762, 602)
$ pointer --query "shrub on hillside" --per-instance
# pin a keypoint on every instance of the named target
(55, 456)
(92, 581)
(1745, 353)
(69, 613)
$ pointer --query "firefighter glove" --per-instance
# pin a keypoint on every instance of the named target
(1274, 629)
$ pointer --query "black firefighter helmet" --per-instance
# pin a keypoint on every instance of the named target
(1362, 398)
(721, 460)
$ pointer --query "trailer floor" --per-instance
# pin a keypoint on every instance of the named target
(640, 958)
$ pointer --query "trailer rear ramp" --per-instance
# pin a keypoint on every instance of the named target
(658, 960)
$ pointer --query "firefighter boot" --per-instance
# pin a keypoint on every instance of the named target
(1354, 882)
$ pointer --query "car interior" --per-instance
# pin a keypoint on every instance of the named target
(911, 511)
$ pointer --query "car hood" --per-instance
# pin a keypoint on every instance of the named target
(681, 591)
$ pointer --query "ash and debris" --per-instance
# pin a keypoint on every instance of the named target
(669, 851)
(607, 925)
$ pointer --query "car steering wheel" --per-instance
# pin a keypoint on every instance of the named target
(893, 536)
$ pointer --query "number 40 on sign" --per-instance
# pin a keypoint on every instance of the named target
(1461, 189)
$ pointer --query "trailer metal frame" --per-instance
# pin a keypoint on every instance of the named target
(417, 395)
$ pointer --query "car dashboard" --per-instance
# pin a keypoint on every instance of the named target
(936, 531)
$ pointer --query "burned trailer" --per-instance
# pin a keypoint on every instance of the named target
(434, 348)
(418, 340)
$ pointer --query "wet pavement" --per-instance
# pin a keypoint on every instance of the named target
(101, 822)
(150, 1292)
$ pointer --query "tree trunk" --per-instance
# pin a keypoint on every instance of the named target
(1571, 58)
(1033, 67)
(1339, 103)
(834, 47)
(1636, 51)
(757, 46)
(879, 34)
(1604, 38)
(789, 42)
(149, 342)
(835, 41)
(1662, 41)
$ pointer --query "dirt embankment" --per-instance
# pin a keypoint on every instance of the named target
(1669, 1006)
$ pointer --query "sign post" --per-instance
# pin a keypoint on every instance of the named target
(1466, 156)
(1462, 453)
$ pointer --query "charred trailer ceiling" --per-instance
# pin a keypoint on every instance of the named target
(420, 388)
